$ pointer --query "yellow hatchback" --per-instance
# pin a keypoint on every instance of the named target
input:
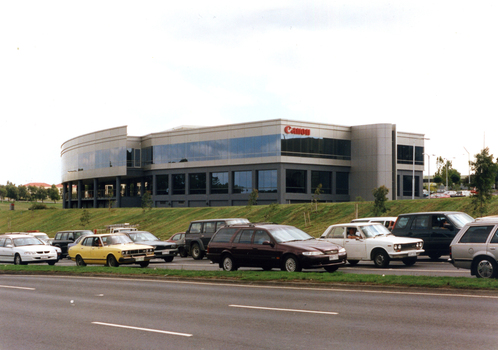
(111, 249)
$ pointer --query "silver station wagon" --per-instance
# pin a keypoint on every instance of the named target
(475, 247)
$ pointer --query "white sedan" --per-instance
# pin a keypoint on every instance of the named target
(373, 242)
(24, 249)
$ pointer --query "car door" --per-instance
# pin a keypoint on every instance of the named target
(84, 249)
(3, 251)
(492, 248)
(337, 235)
(241, 246)
(354, 242)
(98, 251)
(263, 252)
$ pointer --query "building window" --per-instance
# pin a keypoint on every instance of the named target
(407, 186)
(405, 155)
(197, 183)
(267, 181)
(219, 183)
(295, 181)
(324, 178)
(342, 183)
(162, 184)
(178, 181)
(242, 182)
(313, 147)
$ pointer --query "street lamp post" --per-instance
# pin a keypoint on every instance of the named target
(468, 153)
(429, 172)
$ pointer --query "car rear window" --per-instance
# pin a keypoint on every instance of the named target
(224, 235)
(476, 234)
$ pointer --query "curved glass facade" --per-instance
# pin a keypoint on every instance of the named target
(104, 158)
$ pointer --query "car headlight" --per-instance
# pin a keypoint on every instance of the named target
(312, 253)
(420, 245)
(342, 251)
(397, 247)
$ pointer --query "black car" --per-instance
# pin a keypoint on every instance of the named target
(63, 238)
(162, 249)
(200, 232)
(272, 246)
(436, 229)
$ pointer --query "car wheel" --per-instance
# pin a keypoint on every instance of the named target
(434, 256)
(111, 261)
(331, 268)
(52, 263)
(381, 259)
(80, 261)
(485, 268)
(183, 253)
(291, 264)
(353, 262)
(228, 264)
(409, 261)
(144, 264)
(168, 259)
(17, 260)
(197, 253)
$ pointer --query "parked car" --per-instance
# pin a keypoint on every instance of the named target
(200, 232)
(373, 242)
(162, 249)
(272, 246)
(111, 249)
(387, 221)
(436, 229)
(475, 247)
(24, 249)
(179, 239)
(63, 238)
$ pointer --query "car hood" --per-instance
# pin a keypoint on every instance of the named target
(312, 244)
(128, 246)
(393, 239)
(37, 248)
(156, 243)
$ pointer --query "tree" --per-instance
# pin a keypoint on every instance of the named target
(380, 195)
(3, 192)
(23, 193)
(485, 171)
(41, 194)
(85, 218)
(12, 191)
(54, 194)
(146, 201)
(446, 166)
(253, 198)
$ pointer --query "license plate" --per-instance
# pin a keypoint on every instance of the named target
(166, 252)
(140, 258)
(44, 257)
(334, 257)
(412, 254)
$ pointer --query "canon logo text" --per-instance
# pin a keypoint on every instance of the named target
(296, 131)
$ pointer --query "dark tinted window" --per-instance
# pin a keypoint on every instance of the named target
(245, 236)
(324, 178)
(219, 182)
(224, 235)
(295, 181)
(476, 234)
(421, 222)
(210, 227)
(261, 236)
(495, 237)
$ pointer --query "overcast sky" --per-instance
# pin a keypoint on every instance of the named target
(73, 67)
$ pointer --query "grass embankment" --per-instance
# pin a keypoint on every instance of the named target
(325, 278)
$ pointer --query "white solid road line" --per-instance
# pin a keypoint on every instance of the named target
(142, 329)
(14, 287)
(287, 310)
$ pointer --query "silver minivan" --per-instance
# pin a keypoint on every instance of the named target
(475, 247)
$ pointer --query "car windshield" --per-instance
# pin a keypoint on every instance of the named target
(43, 238)
(289, 234)
(24, 241)
(460, 219)
(118, 239)
(142, 236)
(371, 231)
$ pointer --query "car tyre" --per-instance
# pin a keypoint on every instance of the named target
(168, 259)
(485, 268)
(381, 259)
(183, 253)
(111, 261)
(17, 260)
(331, 268)
(434, 256)
(228, 263)
(52, 263)
(409, 261)
(144, 264)
(353, 262)
(291, 264)
(80, 261)
(197, 253)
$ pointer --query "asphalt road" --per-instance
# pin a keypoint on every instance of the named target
(41, 312)
(424, 267)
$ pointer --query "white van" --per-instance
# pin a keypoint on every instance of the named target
(387, 221)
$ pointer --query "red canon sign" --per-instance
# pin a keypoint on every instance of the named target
(296, 131)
